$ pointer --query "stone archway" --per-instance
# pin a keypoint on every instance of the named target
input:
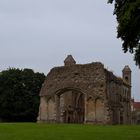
(70, 106)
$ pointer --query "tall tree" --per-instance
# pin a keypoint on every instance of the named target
(19, 94)
(128, 16)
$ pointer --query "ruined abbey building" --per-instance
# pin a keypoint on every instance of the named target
(87, 93)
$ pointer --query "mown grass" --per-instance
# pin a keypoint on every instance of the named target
(33, 131)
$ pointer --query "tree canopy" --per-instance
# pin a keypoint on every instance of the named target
(19, 94)
(128, 16)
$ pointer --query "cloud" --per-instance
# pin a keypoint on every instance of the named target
(40, 33)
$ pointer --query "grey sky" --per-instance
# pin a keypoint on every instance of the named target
(39, 34)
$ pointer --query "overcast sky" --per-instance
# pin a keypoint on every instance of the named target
(39, 34)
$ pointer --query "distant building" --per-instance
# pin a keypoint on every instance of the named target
(87, 93)
(135, 112)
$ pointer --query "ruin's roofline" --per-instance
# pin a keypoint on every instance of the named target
(88, 66)
(77, 65)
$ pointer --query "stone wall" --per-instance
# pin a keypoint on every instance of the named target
(86, 93)
(119, 99)
(88, 79)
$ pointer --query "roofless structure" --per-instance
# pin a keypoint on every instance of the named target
(85, 93)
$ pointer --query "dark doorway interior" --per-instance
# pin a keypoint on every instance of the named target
(73, 107)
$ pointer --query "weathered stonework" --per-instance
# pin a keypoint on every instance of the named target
(87, 93)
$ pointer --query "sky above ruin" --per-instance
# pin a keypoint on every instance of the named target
(39, 34)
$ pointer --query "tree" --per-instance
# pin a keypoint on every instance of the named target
(128, 16)
(19, 94)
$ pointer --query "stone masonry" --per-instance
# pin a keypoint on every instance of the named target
(87, 93)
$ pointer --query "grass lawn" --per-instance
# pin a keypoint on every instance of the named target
(34, 131)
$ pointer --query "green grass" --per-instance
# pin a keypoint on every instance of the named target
(33, 131)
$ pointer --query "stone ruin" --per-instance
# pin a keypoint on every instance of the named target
(85, 93)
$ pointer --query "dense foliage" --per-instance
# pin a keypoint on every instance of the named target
(19, 94)
(128, 16)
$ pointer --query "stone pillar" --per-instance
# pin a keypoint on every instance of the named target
(85, 115)
(107, 113)
(42, 115)
(61, 108)
(57, 108)
(118, 116)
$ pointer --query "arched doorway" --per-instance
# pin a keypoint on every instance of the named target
(71, 107)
